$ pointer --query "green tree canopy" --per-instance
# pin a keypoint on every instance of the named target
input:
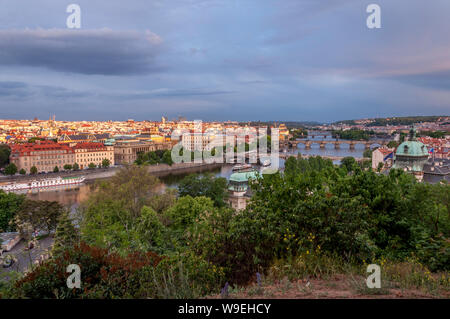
(40, 215)
(66, 235)
(205, 185)
(106, 163)
(9, 205)
(11, 169)
(5, 152)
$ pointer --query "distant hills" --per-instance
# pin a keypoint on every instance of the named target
(407, 120)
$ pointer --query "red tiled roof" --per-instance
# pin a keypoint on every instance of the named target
(384, 151)
(90, 146)
(40, 146)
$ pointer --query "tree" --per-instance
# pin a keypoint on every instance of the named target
(167, 158)
(66, 235)
(11, 169)
(392, 144)
(5, 152)
(111, 213)
(349, 163)
(33, 170)
(22, 172)
(380, 166)
(9, 205)
(106, 163)
(367, 153)
(56, 169)
(75, 167)
(67, 167)
(186, 210)
(205, 185)
(41, 215)
(150, 228)
(92, 166)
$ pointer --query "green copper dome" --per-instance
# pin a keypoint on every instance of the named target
(243, 176)
(412, 148)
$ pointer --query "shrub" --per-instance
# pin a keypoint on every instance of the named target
(103, 274)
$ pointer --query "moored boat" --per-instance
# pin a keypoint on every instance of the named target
(240, 167)
(47, 182)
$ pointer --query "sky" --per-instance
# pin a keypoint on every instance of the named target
(240, 60)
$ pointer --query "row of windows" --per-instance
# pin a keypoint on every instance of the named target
(93, 154)
(46, 163)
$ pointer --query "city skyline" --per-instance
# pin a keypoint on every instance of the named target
(223, 60)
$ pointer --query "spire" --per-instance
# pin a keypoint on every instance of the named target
(412, 133)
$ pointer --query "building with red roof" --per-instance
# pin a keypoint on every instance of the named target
(44, 155)
(382, 155)
(90, 152)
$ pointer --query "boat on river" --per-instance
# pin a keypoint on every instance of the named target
(43, 183)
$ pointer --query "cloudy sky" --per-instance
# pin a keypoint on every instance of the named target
(224, 59)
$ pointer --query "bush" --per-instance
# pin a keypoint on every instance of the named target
(103, 274)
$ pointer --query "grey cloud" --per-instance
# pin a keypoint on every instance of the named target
(21, 90)
(173, 93)
(435, 80)
(61, 92)
(14, 89)
(104, 51)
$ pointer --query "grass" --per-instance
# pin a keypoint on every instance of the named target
(289, 275)
(175, 285)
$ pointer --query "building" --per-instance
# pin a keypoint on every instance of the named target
(436, 170)
(438, 147)
(382, 155)
(87, 153)
(126, 151)
(44, 155)
(239, 191)
(411, 156)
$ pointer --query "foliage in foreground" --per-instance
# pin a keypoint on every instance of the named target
(316, 217)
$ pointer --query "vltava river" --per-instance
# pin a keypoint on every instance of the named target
(72, 195)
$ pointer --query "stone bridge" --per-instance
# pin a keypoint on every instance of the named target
(337, 143)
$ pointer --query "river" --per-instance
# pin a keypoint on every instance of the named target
(72, 195)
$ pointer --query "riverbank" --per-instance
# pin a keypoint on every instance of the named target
(100, 173)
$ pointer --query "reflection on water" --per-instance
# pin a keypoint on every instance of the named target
(73, 195)
(69, 195)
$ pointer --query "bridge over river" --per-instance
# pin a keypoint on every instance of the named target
(333, 158)
(337, 143)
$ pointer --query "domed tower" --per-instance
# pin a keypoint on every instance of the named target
(411, 155)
